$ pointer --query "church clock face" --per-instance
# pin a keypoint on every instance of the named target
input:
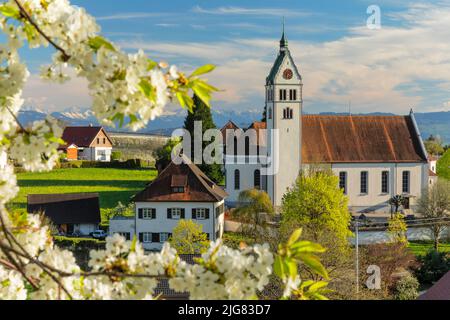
(287, 74)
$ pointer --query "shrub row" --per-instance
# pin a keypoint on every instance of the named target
(128, 164)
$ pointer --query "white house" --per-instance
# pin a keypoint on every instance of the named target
(375, 157)
(179, 192)
(87, 143)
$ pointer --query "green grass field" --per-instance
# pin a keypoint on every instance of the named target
(113, 185)
(422, 247)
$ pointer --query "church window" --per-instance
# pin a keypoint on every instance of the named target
(237, 179)
(288, 113)
(385, 182)
(257, 179)
(364, 182)
(292, 94)
(247, 148)
(283, 95)
(405, 182)
(270, 113)
(343, 181)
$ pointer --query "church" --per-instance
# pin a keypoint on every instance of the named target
(375, 157)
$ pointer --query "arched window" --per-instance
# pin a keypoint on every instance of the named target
(237, 179)
(235, 146)
(270, 113)
(257, 179)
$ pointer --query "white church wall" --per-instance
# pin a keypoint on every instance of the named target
(374, 199)
(246, 172)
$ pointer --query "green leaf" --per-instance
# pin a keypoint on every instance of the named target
(184, 100)
(294, 237)
(202, 93)
(133, 244)
(292, 268)
(97, 42)
(313, 263)
(30, 31)
(202, 70)
(119, 117)
(278, 267)
(10, 11)
(147, 89)
(306, 246)
(318, 285)
(203, 84)
(151, 64)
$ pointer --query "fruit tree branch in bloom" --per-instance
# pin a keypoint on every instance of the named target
(25, 15)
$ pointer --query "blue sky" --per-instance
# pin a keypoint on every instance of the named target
(402, 65)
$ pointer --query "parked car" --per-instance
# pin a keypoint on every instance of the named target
(99, 234)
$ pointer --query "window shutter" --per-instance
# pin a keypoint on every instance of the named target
(169, 213)
(194, 214)
(207, 214)
(141, 237)
(140, 213)
(153, 213)
(182, 213)
(155, 237)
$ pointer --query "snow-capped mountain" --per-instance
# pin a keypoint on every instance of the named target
(435, 123)
(162, 125)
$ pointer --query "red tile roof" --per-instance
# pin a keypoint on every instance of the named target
(332, 139)
(198, 187)
(81, 136)
(439, 291)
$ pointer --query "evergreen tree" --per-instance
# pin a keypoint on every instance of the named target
(201, 112)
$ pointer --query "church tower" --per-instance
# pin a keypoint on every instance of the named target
(284, 117)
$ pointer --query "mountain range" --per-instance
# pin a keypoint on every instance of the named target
(436, 123)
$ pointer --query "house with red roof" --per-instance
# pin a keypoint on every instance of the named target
(87, 143)
(181, 191)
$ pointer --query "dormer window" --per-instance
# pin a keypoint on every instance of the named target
(178, 189)
(178, 183)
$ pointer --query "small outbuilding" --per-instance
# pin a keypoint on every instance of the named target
(71, 213)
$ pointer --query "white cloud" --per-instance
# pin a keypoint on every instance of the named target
(251, 11)
(378, 70)
(56, 97)
(129, 15)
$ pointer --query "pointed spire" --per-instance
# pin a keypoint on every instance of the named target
(283, 41)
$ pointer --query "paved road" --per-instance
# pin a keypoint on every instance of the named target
(368, 237)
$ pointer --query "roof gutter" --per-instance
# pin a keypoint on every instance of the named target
(419, 136)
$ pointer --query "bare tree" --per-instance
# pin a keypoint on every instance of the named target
(435, 204)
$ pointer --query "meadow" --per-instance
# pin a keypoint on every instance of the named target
(420, 248)
(443, 165)
(113, 185)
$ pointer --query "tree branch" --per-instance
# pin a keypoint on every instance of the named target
(25, 14)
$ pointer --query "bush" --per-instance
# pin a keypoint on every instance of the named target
(71, 164)
(116, 155)
(432, 267)
(407, 288)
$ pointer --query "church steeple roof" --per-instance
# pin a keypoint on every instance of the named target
(283, 41)
(282, 55)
